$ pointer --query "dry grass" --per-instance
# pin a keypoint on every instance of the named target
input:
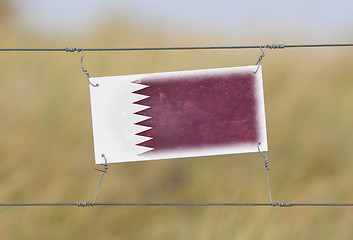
(46, 148)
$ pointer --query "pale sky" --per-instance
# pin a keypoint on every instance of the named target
(316, 21)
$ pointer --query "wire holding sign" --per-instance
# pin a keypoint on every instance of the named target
(85, 71)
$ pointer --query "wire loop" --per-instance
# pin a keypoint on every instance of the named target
(260, 58)
(263, 48)
(103, 172)
(263, 154)
(83, 69)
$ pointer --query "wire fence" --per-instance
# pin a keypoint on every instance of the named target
(269, 46)
(262, 47)
(89, 204)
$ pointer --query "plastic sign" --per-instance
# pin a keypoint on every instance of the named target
(178, 114)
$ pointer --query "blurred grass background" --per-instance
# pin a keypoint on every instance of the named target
(46, 145)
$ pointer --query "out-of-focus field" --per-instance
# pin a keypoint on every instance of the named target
(46, 146)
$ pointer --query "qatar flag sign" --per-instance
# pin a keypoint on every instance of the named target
(178, 114)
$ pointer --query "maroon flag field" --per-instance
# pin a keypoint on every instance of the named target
(178, 114)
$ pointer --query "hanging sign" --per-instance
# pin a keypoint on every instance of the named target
(178, 114)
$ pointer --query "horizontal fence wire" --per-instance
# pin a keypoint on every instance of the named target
(272, 46)
(88, 204)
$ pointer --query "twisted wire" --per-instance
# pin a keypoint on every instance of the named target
(263, 154)
(103, 173)
(82, 67)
